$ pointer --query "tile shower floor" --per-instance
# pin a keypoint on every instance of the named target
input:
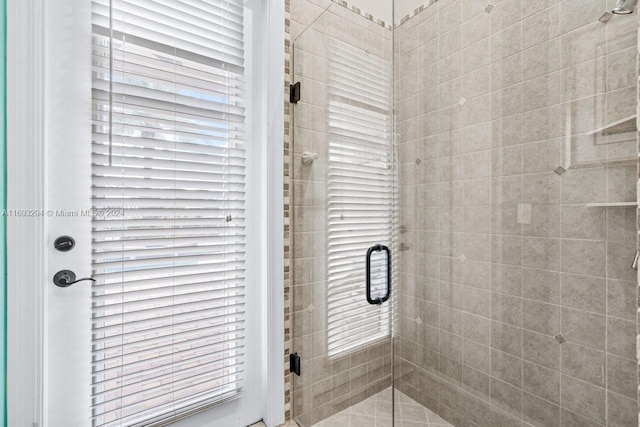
(376, 412)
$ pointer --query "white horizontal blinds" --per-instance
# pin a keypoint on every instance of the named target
(168, 304)
(360, 195)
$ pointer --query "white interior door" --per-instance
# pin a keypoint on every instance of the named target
(154, 171)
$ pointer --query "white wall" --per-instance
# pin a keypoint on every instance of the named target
(383, 9)
(406, 7)
(380, 9)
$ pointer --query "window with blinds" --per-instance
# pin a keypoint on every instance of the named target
(360, 195)
(168, 189)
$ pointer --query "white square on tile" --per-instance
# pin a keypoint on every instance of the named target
(524, 213)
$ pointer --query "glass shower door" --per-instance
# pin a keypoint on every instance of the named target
(507, 199)
(343, 220)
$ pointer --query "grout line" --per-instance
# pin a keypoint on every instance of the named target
(522, 259)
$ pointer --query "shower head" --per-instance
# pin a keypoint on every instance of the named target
(624, 7)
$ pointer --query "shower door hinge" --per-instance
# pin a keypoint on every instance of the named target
(294, 363)
(294, 93)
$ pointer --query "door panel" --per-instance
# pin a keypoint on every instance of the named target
(343, 218)
(148, 175)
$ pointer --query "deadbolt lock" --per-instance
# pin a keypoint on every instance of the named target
(64, 243)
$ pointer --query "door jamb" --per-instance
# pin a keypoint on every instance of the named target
(26, 169)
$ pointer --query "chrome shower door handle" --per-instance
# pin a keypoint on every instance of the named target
(385, 297)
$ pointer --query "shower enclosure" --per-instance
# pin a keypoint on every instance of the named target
(464, 213)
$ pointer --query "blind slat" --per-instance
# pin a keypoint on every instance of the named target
(168, 376)
(168, 149)
(359, 196)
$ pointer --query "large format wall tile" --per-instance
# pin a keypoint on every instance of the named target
(536, 297)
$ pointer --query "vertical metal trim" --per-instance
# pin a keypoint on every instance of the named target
(394, 206)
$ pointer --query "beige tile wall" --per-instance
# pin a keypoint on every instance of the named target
(517, 300)
(327, 385)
